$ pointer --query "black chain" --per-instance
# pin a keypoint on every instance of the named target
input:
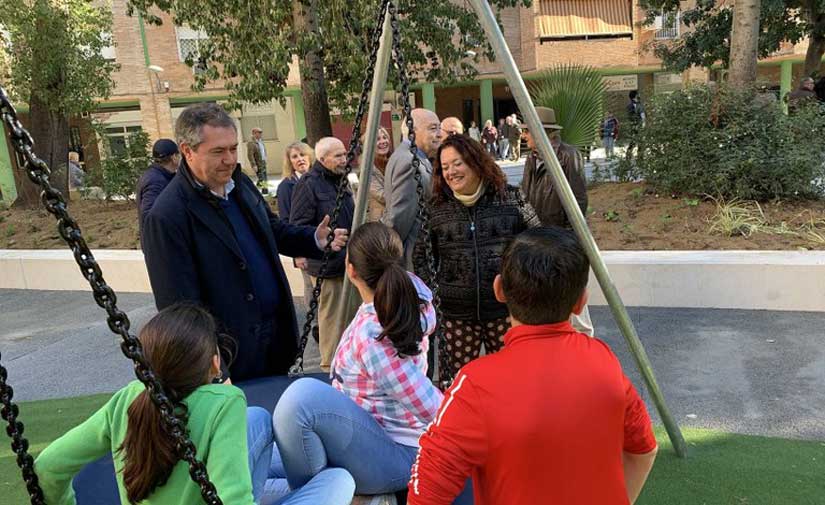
(19, 444)
(444, 377)
(297, 369)
(38, 172)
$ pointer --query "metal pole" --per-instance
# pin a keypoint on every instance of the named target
(574, 214)
(379, 83)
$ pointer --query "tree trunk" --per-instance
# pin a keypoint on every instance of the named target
(816, 47)
(50, 132)
(313, 81)
(744, 43)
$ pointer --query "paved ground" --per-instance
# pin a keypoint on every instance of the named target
(742, 371)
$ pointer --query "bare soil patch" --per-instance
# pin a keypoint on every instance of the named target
(623, 216)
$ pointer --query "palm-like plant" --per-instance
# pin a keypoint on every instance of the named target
(576, 93)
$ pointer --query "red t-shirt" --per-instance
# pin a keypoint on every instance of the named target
(545, 420)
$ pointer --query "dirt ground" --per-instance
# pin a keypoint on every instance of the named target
(624, 216)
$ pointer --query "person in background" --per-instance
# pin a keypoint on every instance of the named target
(803, 95)
(314, 199)
(488, 138)
(474, 132)
(636, 118)
(165, 161)
(298, 158)
(77, 177)
(369, 420)
(234, 441)
(609, 132)
(400, 188)
(503, 138)
(451, 126)
(537, 186)
(256, 154)
(514, 137)
(474, 215)
(383, 151)
(551, 418)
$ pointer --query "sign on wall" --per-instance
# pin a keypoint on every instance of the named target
(621, 82)
(666, 82)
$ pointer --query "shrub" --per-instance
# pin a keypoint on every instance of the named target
(707, 140)
(119, 174)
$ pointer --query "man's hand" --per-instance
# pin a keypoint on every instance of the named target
(322, 232)
(301, 263)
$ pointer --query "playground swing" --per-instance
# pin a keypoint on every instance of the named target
(386, 42)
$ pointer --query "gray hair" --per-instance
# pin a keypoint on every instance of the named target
(324, 146)
(189, 126)
(806, 80)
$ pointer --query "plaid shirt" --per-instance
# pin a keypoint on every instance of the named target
(396, 391)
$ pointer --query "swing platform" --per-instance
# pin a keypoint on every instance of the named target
(96, 485)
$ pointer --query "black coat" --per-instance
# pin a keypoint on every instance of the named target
(151, 184)
(468, 244)
(284, 194)
(314, 198)
(192, 255)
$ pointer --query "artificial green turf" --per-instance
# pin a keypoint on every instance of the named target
(722, 468)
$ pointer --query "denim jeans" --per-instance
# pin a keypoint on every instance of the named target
(317, 427)
(608, 146)
(504, 148)
(333, 486)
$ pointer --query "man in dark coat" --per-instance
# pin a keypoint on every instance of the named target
(165, 158)
(314, 197)
(212, 239)
(537, 184)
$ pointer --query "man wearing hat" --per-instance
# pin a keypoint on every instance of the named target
(537, 186)
(166, 158)
(256, 153)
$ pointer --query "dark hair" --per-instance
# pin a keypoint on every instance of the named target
(377, 254)
(179, 343)
(475, 157)
(544, 273)
(633, 94)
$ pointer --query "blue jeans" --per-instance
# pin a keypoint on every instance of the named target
(333, 486)
(504, 148)
(608, 146)
(317, 427)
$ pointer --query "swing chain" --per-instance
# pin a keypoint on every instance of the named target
(38, 172)
(423, 212)
(297, 369)
(19, 444)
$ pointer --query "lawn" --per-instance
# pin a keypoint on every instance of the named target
(723, 468)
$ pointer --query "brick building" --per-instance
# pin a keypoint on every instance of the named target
(154, 84)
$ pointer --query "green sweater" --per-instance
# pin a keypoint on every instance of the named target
(217, 427)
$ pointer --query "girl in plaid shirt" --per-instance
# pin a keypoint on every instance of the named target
(381, 401)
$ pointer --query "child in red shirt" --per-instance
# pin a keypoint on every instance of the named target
(551, 418)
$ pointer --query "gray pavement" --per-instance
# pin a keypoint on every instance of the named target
(756, 372)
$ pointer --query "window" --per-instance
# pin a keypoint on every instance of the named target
(584, 19)
(108, 51)
(118, 138)
(189, 42)
(667, 25)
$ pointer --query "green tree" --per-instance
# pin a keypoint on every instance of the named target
(53, 49)
(252, 42)
(710, 23)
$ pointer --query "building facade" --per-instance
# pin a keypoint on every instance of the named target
(154, 83)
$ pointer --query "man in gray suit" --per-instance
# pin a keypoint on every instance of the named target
(401, 212)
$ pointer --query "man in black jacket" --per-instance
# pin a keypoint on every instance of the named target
(212, 239)
(313, 198)
(165, 158)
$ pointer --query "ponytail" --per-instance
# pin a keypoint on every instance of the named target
(376, 253)
(398, 307)
(179, 344)
(148, 450)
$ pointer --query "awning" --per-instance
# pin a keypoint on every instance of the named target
(580, 18)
